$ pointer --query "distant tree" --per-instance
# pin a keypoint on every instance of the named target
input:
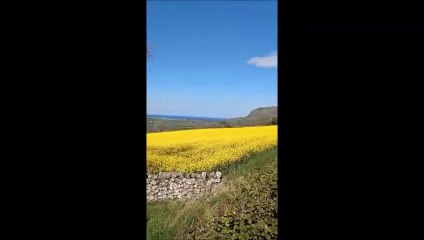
(225, 124)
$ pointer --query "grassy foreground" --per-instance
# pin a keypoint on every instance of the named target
(244, 208)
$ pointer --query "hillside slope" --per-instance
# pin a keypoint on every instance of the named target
(258, 116)
(263, 113)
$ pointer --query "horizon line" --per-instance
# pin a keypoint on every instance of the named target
(183, 115)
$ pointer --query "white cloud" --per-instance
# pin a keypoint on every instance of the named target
(265, 61)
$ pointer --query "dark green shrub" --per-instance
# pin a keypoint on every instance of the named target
(253, 214)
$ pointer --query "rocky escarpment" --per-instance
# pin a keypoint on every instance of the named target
(175, 185)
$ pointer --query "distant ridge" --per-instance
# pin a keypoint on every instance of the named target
(263, 113)
(258, 116)
(171, 117)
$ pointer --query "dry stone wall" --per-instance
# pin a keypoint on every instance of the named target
(176, 185)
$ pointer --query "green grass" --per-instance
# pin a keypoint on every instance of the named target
(201, 217)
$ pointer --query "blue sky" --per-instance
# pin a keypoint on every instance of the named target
(211, 58)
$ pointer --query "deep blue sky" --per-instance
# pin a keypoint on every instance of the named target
(201, 51)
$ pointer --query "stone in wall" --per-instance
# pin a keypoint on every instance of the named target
(176, 185)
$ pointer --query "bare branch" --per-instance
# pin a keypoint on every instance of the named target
(148, 53)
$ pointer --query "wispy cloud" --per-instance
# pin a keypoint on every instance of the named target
(268, 61)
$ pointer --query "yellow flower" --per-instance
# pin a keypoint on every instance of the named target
(206, 149)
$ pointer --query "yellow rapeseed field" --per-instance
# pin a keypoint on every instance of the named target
(206, 149)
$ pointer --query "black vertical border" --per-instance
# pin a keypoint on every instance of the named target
(348, 101)
(290, 136)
